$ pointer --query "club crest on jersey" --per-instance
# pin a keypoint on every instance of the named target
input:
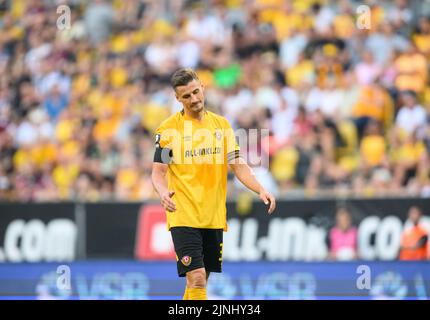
(186, 260)
(218, 135)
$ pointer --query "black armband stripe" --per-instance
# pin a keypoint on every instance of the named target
(233, 155)
(163, 155)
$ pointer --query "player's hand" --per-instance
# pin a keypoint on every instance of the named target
(167, 202)
(268, 199)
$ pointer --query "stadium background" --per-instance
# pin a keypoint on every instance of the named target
(344, 93)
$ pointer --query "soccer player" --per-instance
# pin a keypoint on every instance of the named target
(193, 150)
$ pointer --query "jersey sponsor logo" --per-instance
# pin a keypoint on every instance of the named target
(202, 152)
(186, 260)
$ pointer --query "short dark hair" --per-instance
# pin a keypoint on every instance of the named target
(182, 77)
(417, 208)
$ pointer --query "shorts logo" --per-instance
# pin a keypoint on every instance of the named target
(186, 260)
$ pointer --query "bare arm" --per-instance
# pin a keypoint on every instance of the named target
(245, 175)
(159, 180)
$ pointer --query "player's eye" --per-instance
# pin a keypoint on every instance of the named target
(196, 91)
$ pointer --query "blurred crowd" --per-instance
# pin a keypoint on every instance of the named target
(344, 94)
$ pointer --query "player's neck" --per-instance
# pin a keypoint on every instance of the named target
(195, 115)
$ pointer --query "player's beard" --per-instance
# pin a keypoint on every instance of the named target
(197, 107)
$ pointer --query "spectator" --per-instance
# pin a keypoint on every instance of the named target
(99, 20)
(385, 42)
(373, 104)
(414, 243)
(411, 68)
(421, 36)
(368, 70)
(343, 237)
(400, 15)
(55, 102)
(411, 116)
(373, 146)
(408, 156)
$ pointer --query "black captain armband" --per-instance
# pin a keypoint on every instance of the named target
(231, 156)
(162, 155)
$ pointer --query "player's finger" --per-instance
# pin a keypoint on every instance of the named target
(171, 193)
(172, 207)
(169, 208)
(264, 199)
(272, 205)
(167, 198)
(170, 204)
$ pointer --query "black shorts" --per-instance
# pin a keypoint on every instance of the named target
(197, 248)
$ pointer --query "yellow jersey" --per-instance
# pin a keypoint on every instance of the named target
(198, 153)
